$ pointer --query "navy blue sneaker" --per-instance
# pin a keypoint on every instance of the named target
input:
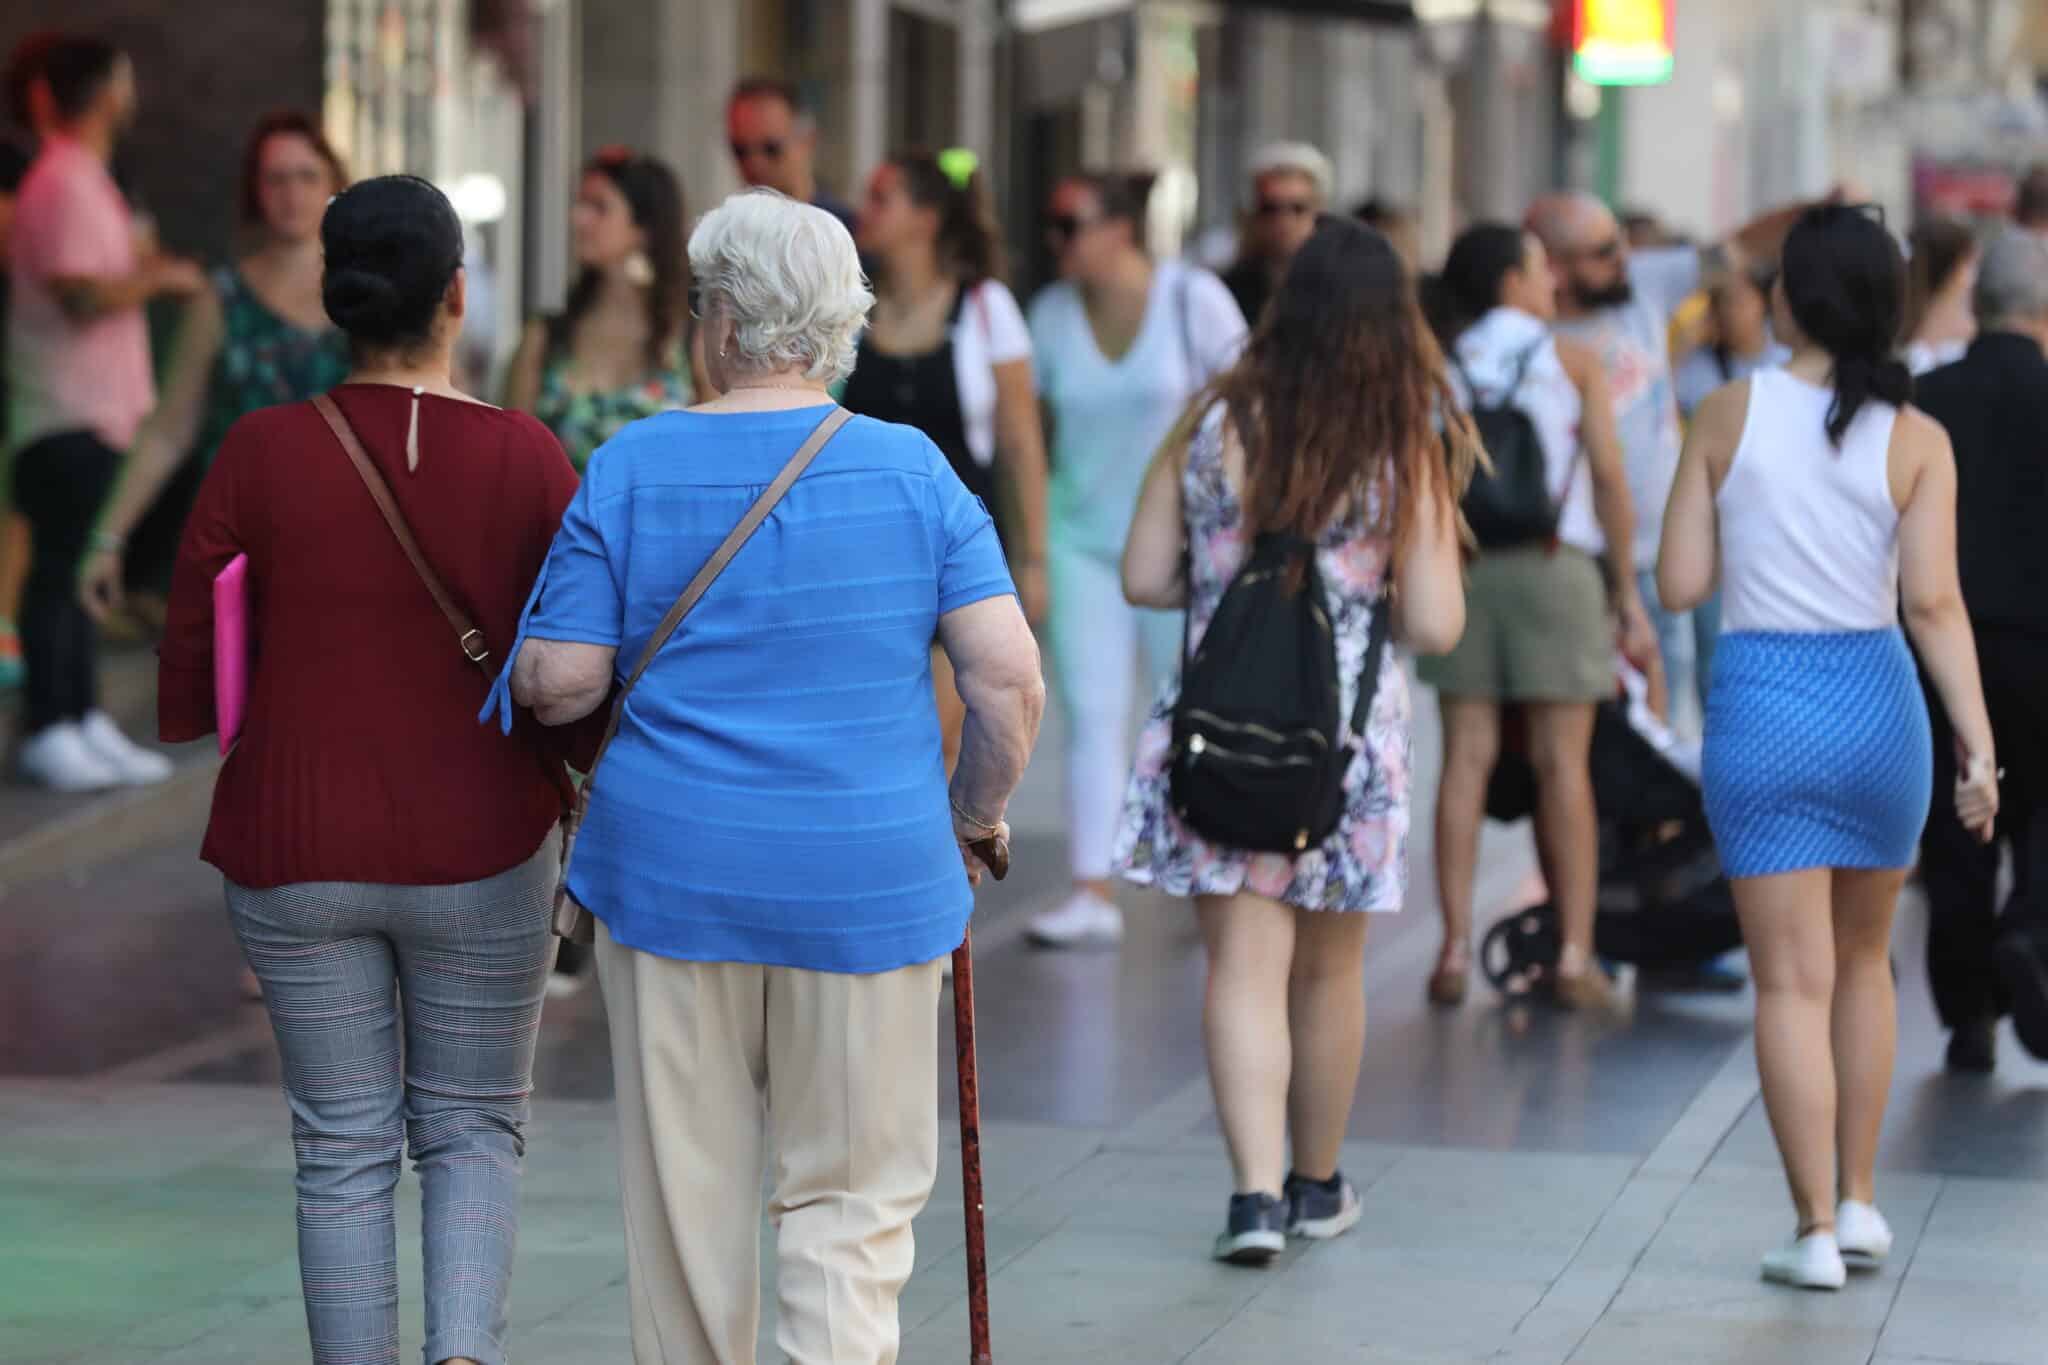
(1322, 1209)
(1257, 1231)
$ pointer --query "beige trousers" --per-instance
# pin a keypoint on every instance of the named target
(715, 1063)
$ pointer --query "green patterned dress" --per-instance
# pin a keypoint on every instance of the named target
(264, 360)
(583, 420)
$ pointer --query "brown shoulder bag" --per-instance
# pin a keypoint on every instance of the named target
(467, 636)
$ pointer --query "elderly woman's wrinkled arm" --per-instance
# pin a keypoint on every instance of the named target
(996, 667)
(562, 681)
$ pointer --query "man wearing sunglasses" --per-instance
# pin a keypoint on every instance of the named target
(774, 140)
(1621, 303)
(1290, 186)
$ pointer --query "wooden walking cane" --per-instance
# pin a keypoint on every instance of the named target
(994, 853)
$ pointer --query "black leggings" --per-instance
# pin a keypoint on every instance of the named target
(60, 483)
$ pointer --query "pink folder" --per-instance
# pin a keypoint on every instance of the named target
(231, 650)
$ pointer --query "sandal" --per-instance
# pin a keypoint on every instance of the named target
(1449, 982)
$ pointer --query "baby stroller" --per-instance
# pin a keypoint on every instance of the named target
(1663, 901)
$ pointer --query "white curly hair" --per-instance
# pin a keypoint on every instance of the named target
(789, 278)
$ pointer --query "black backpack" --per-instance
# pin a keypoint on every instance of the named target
(1259, 749)
(1511, 506)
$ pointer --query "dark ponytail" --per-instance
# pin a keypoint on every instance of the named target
(953, 184)
(1859, 379)
(1468, 288)
(1845, 284)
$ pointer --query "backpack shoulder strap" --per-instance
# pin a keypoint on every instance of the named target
(471, 640)
(1184, 305)
(701, 583)
(1378, 634)
(1464, 375)
(1522, 364)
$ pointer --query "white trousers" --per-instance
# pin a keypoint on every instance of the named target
(721, 1066)
(1096, 639)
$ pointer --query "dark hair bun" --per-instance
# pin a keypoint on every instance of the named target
(393, 245)
(361, 303)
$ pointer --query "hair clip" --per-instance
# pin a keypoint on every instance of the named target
(616, 154)
(958, 165)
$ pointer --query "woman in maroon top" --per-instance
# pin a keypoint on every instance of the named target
(389, 862)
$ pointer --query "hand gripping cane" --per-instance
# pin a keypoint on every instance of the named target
(994, 853)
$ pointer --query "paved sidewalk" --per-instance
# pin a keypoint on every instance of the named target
(152, 1224)
(1539, 1189)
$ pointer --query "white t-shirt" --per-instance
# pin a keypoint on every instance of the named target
(990, 332)
(1490, 351)
(1922, 358)
(1108, 418)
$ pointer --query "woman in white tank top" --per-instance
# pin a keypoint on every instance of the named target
(1815, 495)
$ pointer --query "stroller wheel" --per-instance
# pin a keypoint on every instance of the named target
(1519, 948)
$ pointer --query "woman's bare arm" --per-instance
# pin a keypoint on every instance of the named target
(523, 376)
(160, 446)
(1688, 560)
(996, 668)
(1020, 458)
(1429, 582)
(562, 681)
(1155, 553)
(1930, 586)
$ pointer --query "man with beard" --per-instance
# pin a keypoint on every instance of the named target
(1621, 302)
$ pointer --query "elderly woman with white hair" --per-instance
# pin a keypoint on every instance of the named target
(774, 858)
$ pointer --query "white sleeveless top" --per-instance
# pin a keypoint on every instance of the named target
(1809, 533)
(1491, 352)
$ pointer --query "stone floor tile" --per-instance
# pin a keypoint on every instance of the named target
(1680, 1339)
(1997, 1324)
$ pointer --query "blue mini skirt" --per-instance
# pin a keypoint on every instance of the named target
(1818, 752)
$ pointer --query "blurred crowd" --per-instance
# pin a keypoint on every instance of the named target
(1128, 439)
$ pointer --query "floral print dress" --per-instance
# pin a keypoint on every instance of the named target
(265, 360)
(583, 420)
(1363, 866)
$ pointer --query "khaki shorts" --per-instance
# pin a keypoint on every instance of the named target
(1536, 629)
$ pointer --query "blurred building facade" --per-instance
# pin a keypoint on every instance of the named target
(1455, 109)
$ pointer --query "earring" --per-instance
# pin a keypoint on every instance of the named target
(638, 270)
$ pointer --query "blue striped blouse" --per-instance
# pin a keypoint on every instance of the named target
(777, 792)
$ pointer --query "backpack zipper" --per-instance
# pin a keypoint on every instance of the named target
(1198, 746)
(1251, 727)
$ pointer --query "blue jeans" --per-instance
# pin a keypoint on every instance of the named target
(1685, 639)
(462, 969)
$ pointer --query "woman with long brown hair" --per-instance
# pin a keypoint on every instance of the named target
(619, 349)
(1324, 431)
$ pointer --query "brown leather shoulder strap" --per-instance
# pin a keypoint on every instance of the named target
(467, 635)
(713, 567)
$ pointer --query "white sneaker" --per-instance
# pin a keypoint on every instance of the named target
(568, 985)
(1085, 919)
(1812, 1262)
(1863, 1234)
(135, 765)
(60, 759)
